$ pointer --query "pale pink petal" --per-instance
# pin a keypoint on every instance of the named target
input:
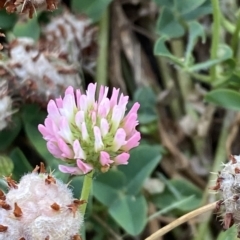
(66, 150)
(65, 131)
(123, 109)
(49, 123)
(98, 144)
(119, 139)
(70, 170)
(79, 119)
(134, 109)
(122, 104)
(105, 159)
(122, 159)
(114, 97)
(69, 90)
(79, 153)
(69, 106)
(85, 135)
(132, 142)
(54, 149)
(78, 97)
(59, 102)
(91, 90)
(53, 111)
(116, 117)
(95, 107)
(104, 127)
(50, 130)
(100, 94)
(130, 123)
(123, 100)
(83, 103)
(94, 118)
(104, 107)
(84, 167)
(45, 132)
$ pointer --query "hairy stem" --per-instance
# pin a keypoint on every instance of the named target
(87, 186)
(181, 220)
(215, 36)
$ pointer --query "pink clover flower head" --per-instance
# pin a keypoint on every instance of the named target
(90, 132)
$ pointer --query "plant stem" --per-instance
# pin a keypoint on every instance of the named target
(167, 79)
(228, 26)
(101, 79)
(102, 59)
(183, 79)
(87, 185)
(181, 220)
(235, 37)
(215, 36)
(201, 77)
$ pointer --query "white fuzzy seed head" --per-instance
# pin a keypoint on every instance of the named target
(39, 207)
(228, 186)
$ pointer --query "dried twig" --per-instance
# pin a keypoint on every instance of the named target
(181, 220)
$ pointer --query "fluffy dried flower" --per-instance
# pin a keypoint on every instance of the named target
(37, 75)
(73, 37)
(28, 6)
(228, 186)
(90, 132)
(38, 210)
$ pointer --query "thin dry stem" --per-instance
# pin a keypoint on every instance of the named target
(181, 220)
(153, 224)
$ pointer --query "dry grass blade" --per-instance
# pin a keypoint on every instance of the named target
(181, 220)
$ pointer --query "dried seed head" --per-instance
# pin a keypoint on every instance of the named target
(72, 37)
(228, 186)
(36, 75)
(28, 6)
(37, 210)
